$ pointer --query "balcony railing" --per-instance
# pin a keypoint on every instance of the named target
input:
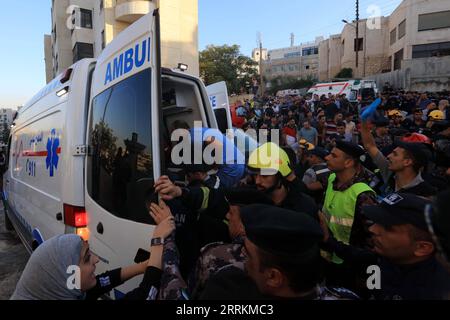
(130, 11)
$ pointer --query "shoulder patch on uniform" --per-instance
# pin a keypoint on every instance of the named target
(393, 199)
(104, 282)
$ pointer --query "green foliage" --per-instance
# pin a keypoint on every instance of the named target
(226, 63)
(346, 73)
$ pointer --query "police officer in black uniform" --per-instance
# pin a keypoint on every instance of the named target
(283, 260)
(404, 251)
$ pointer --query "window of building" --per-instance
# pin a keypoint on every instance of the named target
(101, 5)
(436, 20)
(310, 51)
(307, 67)
(402, 29)
(293, 54)
(431, 50)
(86, 18)
(393, 36)
(120, 169)
(291, 67)
(359, 45)
(398, 58)
(82, 50)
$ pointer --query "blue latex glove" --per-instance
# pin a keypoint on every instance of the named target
(370, 110)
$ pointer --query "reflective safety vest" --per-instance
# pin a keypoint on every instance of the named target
(339, 208)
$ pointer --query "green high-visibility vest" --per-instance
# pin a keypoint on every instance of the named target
(339, 208)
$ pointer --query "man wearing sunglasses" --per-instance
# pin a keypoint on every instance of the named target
(403, 250)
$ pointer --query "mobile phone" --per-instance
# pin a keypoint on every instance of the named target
(152, 198)
(141, 256)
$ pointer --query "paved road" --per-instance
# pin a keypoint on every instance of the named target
(13, 258)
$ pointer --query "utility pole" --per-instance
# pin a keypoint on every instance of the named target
(357, 35)
(261, 81)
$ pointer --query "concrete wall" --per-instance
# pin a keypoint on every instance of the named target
(372, 58)
(62, 44)
(330, 56)
(427, 74)
(324, 55)
(48, 58)
(179, 34)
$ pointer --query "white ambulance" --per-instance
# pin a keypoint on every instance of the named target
(355, 90)
(85, 151)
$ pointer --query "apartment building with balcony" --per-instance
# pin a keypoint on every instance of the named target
(82, 28)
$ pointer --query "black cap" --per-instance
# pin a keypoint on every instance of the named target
(319, 152)
(282, 232)
(246, 196)
(350, 148)
(381, 122)
(231, 283)
(418, 151)
(399, 209)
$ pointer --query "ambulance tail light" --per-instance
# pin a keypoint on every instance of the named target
(84, 233)
(75, 216)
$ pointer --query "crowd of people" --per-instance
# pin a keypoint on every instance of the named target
(338, 195)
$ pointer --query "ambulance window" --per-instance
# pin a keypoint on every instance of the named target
(120, 169)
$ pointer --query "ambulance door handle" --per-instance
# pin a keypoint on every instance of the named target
(100, 228)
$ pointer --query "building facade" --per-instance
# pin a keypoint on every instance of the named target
(82, 28)
(6, 119)
(300, 61)
(415, 29)
(259, 55)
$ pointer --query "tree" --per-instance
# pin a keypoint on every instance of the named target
(226, 63)
(346, 73)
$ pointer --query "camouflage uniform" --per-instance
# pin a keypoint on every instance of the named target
(173, 286)
(213, 258)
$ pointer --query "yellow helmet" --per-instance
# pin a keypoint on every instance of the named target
(269, 159)
(394, 113)
(306, 145)
(437, 115)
